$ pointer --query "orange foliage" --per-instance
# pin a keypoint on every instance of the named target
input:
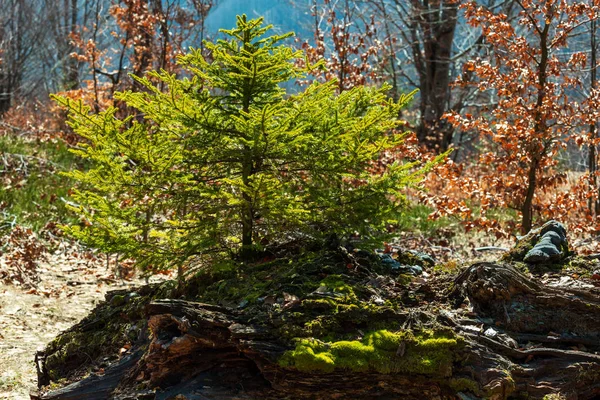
(532, 115)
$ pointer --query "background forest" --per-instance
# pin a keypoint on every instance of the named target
(510, 86)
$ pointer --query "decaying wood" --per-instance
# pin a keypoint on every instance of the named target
(96, 387)
(520, 304)
(215, 352)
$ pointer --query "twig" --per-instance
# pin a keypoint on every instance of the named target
(491, 248)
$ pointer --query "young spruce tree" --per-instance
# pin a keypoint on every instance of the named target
(224, 159)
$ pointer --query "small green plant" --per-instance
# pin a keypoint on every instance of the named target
(225, 159)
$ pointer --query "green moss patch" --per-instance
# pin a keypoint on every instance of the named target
(320, 279)
(256, 282)
(425, 352)
(310, 299)
(571, 265)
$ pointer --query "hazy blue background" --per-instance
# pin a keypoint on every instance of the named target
(285, 15)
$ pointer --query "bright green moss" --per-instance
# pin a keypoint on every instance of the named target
(351, 354)
(385, 340)
(337, 284)
(308, 356)
(427, 352)
(348, 308)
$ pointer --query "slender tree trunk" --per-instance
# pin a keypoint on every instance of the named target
(593, 204)
(538, 149)
(5, 95)
(391, 56)
(164, 33)
(527, 209)
(72, 73)
(247, 211)
(94, 69)
(202, 8)
(315, 10)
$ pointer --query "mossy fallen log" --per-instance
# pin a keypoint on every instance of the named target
(333, 324)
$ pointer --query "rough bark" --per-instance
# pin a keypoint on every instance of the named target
(96, 387)
(552, 320)
(520, 304)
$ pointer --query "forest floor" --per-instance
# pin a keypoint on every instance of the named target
(314, 318)
(71, 283)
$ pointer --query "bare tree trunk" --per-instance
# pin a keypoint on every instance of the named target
(157, 9)
(19, 38)
(5, 95)
(72, 65)
(436, 22)
(593, 205)
(527, 208)
(202, 7)
(540, 129)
